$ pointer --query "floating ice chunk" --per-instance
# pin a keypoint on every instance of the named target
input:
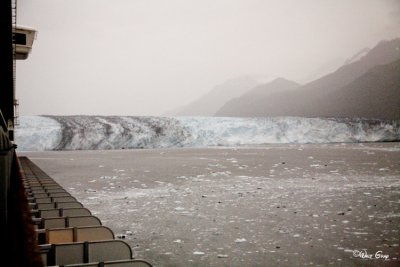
(198, 253)
(240, 240)
(221, 256)
(90, 190)
(177, 241)
(179, 208)
(315, 165)
(392, 215)
(108, 177)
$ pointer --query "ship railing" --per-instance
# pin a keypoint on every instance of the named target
(67, 234)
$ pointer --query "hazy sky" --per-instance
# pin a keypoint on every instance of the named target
(145, 57)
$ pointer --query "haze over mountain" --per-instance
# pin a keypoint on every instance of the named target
(251, 104)
(277, 85)
(342, 93)
(211, 102)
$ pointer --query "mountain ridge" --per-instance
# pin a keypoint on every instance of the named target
(250, 104)
(209, 103)
(307, 100)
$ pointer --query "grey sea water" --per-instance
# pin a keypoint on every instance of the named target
(273, 205)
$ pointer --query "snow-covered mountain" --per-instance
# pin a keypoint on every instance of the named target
(360, 54)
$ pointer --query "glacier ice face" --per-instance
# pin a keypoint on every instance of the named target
(255, 131)
(118, 132)
(37, 133)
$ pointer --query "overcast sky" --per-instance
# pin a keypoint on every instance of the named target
(145, 57)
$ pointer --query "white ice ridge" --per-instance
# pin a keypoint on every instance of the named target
(37, 133)
(118, 132)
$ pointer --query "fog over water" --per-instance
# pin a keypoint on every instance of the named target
(146, 57)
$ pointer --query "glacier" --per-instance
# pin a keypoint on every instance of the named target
(38, 133)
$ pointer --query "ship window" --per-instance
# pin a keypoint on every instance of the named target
(19, 38)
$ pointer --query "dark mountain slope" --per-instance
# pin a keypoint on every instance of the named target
(376, 94)
(316, 99)
(209, 103)
(251, 104)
